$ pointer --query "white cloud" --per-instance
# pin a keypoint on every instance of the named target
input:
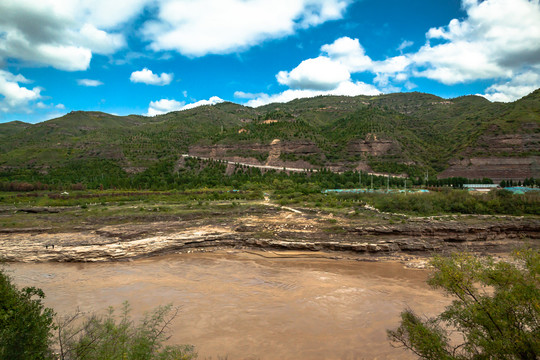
(519, 86)
(212, 101)
(497, 39)
(100, 41)
(404, 44)
(246, 95)
(146, 76)
(197, 28)
(346, 88)
(41, 105)
(328, 74)
(63, 33)
(107, 14)
(320, 73)
(89, 82)
(393, 65)
(164, 106)
(349, 53)
(15, 97)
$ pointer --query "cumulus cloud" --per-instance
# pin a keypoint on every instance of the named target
(62, 34)
(517, 87)
(497, 39)
(66, 33)
(212, 101)
(41, 105)
(246, 95)
(346, 88)
(100, 41)
(146, 76)
(349, 53)
(320, 73)
(164, 106)
(15, 97)
(330, 74)
(89, 82)
(197, 28)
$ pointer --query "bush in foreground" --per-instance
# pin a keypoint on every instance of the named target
(26, 325)
(495, 314)
(111, 337)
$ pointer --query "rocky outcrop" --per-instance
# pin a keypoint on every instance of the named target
(300, 151)
(245, 153)
(372, 146)
(500, 156)
(496, 168)
(510, 143)
(92, 247)
(132, 241)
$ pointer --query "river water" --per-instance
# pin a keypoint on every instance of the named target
(246, 306)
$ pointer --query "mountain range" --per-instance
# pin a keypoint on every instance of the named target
(401, 133)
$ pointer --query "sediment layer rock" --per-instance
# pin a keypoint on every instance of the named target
(128, 242)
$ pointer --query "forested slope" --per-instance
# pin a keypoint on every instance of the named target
(402, 133)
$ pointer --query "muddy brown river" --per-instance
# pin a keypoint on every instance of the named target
(246, 306)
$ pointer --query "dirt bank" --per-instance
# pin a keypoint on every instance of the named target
(274, 229)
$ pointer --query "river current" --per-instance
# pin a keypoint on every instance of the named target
(247, 306)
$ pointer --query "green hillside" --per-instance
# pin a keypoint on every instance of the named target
(11, 128)
(424, 132)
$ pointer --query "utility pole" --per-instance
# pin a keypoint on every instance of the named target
(405, 186)
(371, 182)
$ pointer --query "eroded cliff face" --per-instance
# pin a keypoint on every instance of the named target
(261, 154)
(279, 153)
(373, 146)
(496, 168)
(499, 157)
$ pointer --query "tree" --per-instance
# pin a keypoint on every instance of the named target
(108, 337)
(496, 310)
(26, 325)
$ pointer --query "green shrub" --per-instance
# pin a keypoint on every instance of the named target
(111, 337)
(26, 325)
(495, 311)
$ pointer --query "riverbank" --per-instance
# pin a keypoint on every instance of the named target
(87, 235)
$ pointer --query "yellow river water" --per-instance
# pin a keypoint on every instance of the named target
(246, 306)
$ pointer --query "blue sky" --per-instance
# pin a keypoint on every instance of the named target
(153, 56)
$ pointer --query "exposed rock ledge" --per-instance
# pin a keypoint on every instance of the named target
(123, 243)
